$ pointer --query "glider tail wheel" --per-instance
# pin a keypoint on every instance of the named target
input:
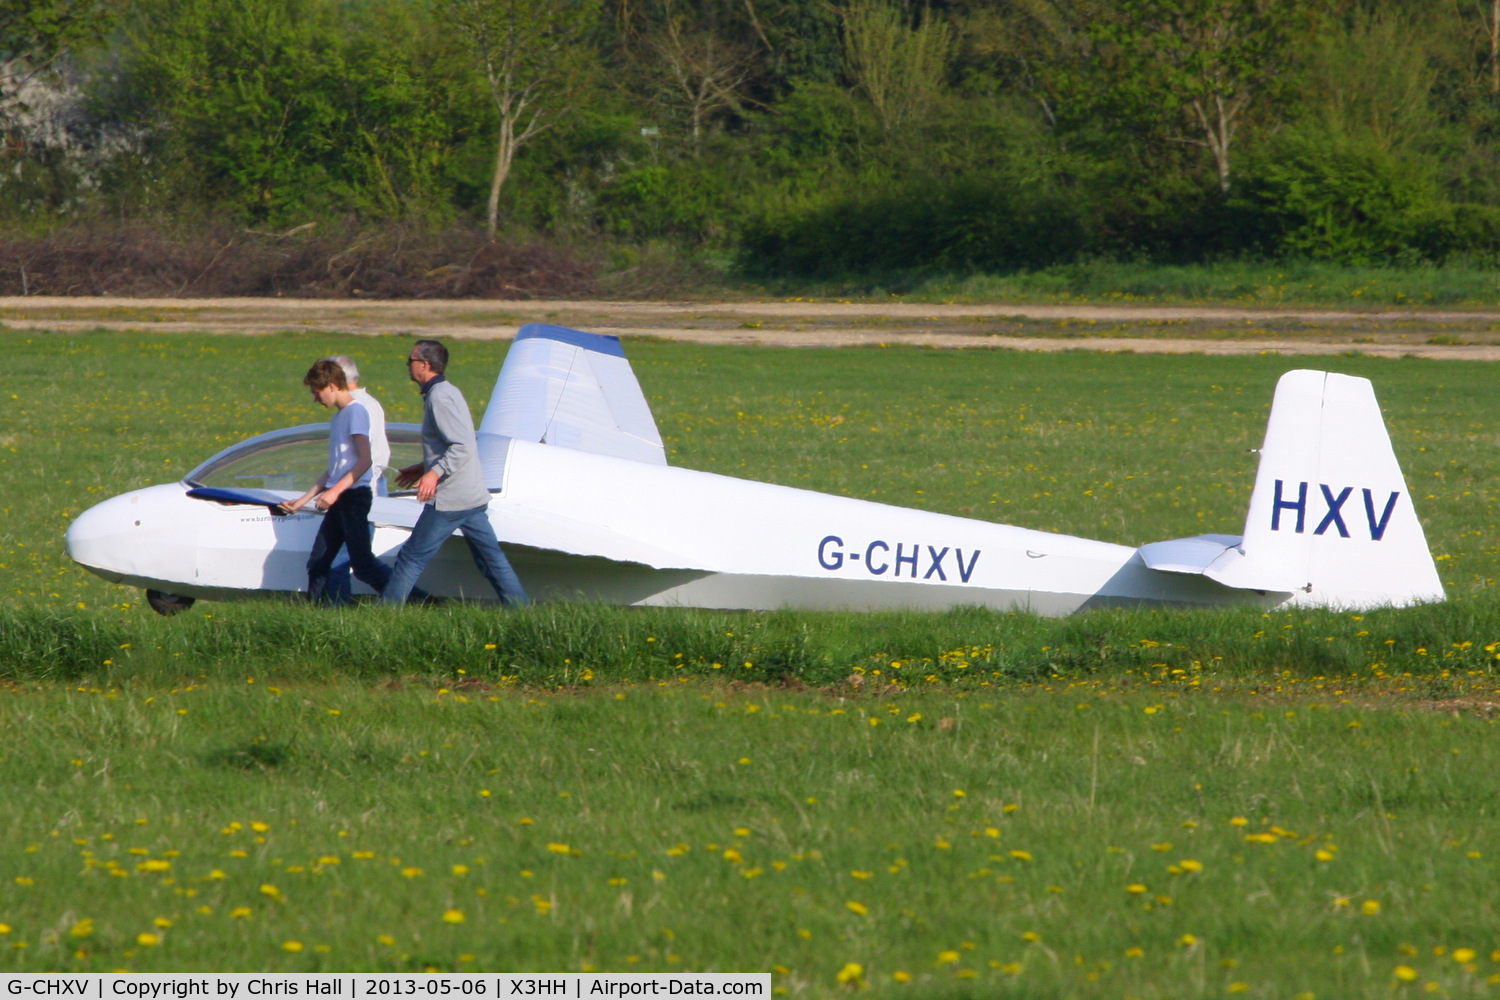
(168, 604)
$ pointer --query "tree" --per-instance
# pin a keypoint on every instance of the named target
(534, 60)
(899, 67)
(703, 71)
(36, 34)
(1200, 65)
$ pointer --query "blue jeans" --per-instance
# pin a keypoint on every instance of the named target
(432, 530)
(347, 522)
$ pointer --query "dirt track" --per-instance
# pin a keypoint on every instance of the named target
(1143, 329)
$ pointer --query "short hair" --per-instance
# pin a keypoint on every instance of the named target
(351, 370)
(434, 353)
(324, 373)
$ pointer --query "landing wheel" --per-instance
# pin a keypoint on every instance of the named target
(168, 604)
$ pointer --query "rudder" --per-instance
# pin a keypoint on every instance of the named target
(1331, 518)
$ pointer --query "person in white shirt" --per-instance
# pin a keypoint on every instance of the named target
(343, 491)
(380, 448)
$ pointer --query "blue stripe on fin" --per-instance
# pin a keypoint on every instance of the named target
(597, 342)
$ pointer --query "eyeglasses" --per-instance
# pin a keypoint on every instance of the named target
(411, 361)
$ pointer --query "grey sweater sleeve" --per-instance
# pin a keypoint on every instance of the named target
(451, 415)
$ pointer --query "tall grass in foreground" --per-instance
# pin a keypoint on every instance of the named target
(1435, 650)
(1089, 838)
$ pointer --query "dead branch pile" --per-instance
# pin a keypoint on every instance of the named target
(309, 262)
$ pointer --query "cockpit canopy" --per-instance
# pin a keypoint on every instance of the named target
(292, 459)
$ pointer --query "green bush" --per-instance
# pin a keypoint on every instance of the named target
(688, 200)
(980, 221)
(1345, 199)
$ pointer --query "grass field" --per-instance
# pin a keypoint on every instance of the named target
(1243, 283)
(1129, 803)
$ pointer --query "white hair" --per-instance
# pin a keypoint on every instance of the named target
(351, 370)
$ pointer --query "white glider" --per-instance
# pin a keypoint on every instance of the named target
(587, 509)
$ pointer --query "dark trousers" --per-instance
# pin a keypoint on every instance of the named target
(347, 522)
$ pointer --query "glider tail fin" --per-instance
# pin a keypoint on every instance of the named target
(1331, 519)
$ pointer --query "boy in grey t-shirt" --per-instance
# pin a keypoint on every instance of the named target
(343, 491)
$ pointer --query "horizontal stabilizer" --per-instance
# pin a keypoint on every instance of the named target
(1215, 556)
(1187, 555)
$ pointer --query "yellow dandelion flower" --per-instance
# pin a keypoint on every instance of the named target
(386, 940)
(856, 907)
(852, 972)
(154, 865)
(1370, 907)
(1463, 956)
(559, 848)
(1021, 855)
(1136, 888)
(1405, 973)
(411, 871)
(260, 827)
(162, 922)
(1134, 952)
(1031, 936)
(239, 913)
(291, 946)
(1323, 855)
(1238, 821)
(1011, 968)
(270, 890)
(1189, 865)
(453, 916)
(948, 957)
(1188, 940)
(460, 869)
(82, 929)
(901, 976)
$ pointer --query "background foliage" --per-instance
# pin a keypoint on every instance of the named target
(807, 140)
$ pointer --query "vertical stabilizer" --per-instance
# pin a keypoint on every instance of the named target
(1331, 518)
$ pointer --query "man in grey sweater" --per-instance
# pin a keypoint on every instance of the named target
(450, 481)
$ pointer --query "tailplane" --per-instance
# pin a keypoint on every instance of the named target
(1331, 520)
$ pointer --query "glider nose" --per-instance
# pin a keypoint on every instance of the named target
(99, 537)
(117, 537)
